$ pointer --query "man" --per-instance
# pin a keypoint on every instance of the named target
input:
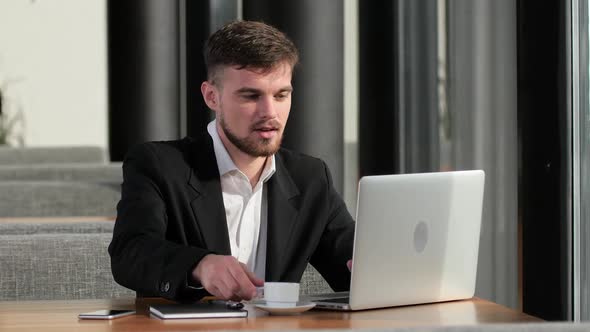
(223, 212)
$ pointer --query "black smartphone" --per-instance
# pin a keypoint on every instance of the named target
(106, 314)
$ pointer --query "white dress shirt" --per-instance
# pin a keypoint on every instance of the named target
(245, 207)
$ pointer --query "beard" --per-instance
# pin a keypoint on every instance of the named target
(254, 146)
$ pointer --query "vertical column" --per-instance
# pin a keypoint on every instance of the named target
(143, 51)
(316, 122)
(378, 122)
(545, 187)
(197, 30)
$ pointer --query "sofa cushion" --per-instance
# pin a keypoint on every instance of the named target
(41, 155)
(312, 282)
(71, 227)
(58, 199)
(39, 266)
(86, 172)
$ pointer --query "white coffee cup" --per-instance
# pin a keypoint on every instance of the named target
(281, 294)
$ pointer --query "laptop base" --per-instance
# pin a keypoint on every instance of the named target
(330, 301)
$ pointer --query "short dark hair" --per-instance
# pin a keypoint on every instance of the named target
(248, 44)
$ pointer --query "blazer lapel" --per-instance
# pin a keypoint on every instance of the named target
(208, 205)
(282, 216)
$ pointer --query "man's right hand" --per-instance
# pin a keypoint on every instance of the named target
(227, 278)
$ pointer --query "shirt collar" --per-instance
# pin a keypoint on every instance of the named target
(224, 162)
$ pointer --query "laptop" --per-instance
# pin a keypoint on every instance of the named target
(416, 241)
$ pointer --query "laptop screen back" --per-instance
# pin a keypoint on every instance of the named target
(416, 238)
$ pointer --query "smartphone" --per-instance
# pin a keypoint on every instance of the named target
(106, 314)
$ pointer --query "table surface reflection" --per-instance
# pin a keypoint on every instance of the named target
(63, 316)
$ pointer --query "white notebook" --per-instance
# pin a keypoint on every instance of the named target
(195, 310)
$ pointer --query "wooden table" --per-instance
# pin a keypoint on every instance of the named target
(62, 316)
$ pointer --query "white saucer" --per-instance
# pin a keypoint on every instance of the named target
(285, 310)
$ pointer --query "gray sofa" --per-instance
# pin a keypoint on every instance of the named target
(58, 181)
(57, 260)
(69, 260)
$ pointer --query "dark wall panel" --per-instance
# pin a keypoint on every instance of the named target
(316, 121)
(143, 53)
(544, 186)
(198, 29)
(378, 138)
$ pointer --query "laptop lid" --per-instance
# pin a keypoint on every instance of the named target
(416, 238)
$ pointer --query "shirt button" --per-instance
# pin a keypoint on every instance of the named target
(165, 287)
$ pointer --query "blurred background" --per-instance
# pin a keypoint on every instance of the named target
(383, 87)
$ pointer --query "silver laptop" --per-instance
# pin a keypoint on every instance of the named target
(416, 241)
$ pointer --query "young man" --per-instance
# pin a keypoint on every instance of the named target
(223, 212)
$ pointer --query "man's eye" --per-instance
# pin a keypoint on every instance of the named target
(250, 97)
(282, 96)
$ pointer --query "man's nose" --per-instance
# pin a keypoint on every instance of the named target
(267, 108)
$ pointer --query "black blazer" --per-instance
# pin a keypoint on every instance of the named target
(171, 215)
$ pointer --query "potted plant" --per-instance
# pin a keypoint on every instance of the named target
(10, 122)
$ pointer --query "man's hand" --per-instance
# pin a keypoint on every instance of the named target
(349, 265)
(225, 277)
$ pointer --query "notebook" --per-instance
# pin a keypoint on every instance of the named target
(416, 241)
(195, 310)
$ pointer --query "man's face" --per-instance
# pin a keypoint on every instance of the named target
(252, 107)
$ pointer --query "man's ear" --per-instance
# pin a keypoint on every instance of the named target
(210, 95)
